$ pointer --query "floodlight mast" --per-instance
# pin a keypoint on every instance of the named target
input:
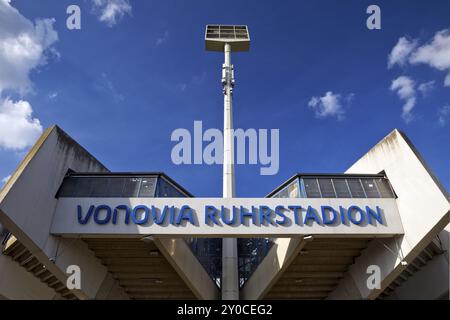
(228, 38)
(230, 268)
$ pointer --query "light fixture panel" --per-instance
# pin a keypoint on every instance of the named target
(236, 35)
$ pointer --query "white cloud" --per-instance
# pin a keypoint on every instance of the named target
(162, 39)
(447, 80)
(405, 88)
(53, 95)
(106, 86)
(23, 47)
(435, 53)
(426, 87)
(401, 51)
(111, 11)
(444, 115)
(18, 129)
(329, 105)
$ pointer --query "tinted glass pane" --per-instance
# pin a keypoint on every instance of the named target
(282, 194)
(115, 187)
(251, 252)
(83, 187)
(131, 187)
(302, 190)
(326, 188)
(384, 188)
(166, 190)
(356, 188)
(370, 188)
(293, 191)
(148, 186)
(99, 187)
(341, 188)
(290, 191)
(311, 188)
(68, 188)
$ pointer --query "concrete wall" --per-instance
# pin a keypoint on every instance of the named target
(27, 205)
(424, 209)
(17, 283)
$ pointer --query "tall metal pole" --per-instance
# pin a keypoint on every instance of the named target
(230, 275)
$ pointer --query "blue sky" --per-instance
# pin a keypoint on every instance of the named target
(121, 87)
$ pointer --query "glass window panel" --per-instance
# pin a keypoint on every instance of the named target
(326, 188)
(83, 187)
(68, 187)
(302, 188)
(290, 191)
(282, 194)
(115, 186)
(166, 190)
(384, 188)
(131, 187)
(148, 186)
(311, 188)
(370, 188)
(356, 188)
(342, 191)
(99, 187)
(293, 190)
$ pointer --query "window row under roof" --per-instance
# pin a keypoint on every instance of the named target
(339, 186)
(118, 186)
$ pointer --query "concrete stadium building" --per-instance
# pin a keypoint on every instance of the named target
(41, 238)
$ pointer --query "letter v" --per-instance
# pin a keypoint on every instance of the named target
(88, 214)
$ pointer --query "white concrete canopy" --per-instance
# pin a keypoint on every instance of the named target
(424, 211)
(27, 207)
(424, 208)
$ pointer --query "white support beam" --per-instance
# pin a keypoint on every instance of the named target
(278, 259)
(180, 256)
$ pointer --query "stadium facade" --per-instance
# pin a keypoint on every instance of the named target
(62, 207)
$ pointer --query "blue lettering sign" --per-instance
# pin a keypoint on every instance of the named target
(257, 215)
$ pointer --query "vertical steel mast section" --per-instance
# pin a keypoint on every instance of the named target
(228, 38)
(230, 272)
(228, 163)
